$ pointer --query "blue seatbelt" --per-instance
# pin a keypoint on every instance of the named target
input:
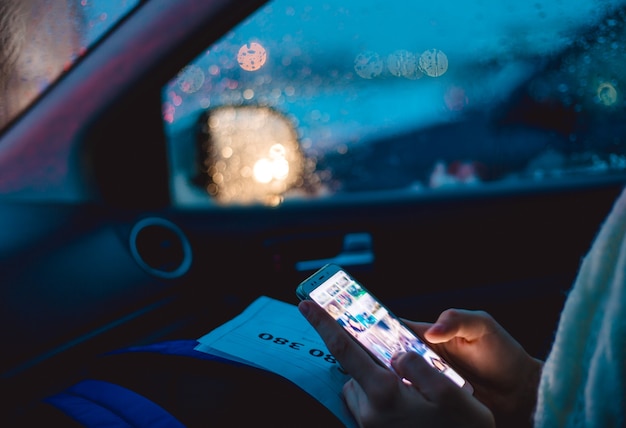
(96, 403)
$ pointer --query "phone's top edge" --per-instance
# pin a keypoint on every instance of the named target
(302, 293)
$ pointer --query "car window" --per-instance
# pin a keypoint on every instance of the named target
(456, 96)
(41, 40)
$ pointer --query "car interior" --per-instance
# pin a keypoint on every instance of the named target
(198, 155)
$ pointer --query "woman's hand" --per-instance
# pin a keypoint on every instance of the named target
(505, 378)
(378, 397)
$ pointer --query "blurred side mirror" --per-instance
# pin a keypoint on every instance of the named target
(249, 155)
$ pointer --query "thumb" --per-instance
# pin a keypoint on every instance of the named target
(457, 323)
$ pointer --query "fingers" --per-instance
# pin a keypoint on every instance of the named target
(355, 360)
(355, 398)
(455, 407)
(425, 378)
(468, 325)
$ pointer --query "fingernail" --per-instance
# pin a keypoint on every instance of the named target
(437, 329)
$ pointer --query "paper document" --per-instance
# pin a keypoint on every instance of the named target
(274, 336)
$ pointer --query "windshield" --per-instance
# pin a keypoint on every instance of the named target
(41, 39)
(418, 98)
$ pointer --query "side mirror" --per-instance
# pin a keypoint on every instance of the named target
(249, 155)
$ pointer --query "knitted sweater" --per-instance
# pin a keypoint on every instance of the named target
(583, 383)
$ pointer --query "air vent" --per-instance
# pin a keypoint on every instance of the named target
(160, 247)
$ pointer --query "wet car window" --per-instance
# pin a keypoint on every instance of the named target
(455, 96)
(41, 39)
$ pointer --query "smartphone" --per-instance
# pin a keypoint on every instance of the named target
(367, 320)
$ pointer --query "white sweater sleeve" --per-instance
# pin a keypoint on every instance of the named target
(583, 383)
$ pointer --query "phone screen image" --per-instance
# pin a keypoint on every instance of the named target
(370, 323)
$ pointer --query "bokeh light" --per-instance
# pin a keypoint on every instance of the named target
(273, 167)
(252, 56)
(456, 98)
(607, 94)
(368, 64)
(168, 112)
(433, 62)
(190, 79)
(402, 63)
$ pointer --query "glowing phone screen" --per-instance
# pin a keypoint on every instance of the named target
(372, 325)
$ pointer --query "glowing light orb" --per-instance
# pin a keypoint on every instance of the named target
(263, 171)
(403, 63)
(455, 98)
(275, 167)
(368, 65)
(433, 63)
(252, 56)
(607, 94)
(168, 112)
(190, 79)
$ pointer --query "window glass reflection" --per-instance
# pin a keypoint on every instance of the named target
(456, 95)
(41, 39)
